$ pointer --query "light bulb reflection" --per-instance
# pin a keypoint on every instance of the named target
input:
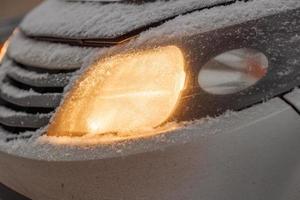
(126, 93)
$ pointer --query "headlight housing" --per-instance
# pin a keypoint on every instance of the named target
(138, 91)
(124, 93)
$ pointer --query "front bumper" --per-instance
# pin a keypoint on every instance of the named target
(252, 154)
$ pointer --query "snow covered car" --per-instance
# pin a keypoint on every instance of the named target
(179, 99)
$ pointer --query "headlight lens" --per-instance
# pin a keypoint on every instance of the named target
(124, 93)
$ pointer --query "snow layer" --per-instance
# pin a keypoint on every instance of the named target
(33, 78)
(47, 55)
(56, 55)
(59, 56)
(217, 17)
(96, 20)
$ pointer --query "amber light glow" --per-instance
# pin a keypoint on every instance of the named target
(131, 92)
(3, 49)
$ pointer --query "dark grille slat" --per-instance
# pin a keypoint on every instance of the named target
(28, 98)
(29, 95)
(17, 137)
(22, 120)
(34, 79)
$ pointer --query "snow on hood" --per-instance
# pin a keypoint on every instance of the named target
(96, 20)
(215, 18)
(47, 55)
(60, 56)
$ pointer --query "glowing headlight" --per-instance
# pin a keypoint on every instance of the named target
(124, 93)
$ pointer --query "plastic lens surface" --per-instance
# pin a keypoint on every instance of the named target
(124, 93)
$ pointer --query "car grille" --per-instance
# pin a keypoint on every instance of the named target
(28, 97)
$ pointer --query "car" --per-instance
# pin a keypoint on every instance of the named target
(181, 99)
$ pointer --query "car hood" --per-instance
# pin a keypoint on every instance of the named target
(78, 19)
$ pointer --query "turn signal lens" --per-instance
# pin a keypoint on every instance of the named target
(132, 92)
(3, 49)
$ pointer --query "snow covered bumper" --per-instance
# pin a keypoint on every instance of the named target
(247, 154)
